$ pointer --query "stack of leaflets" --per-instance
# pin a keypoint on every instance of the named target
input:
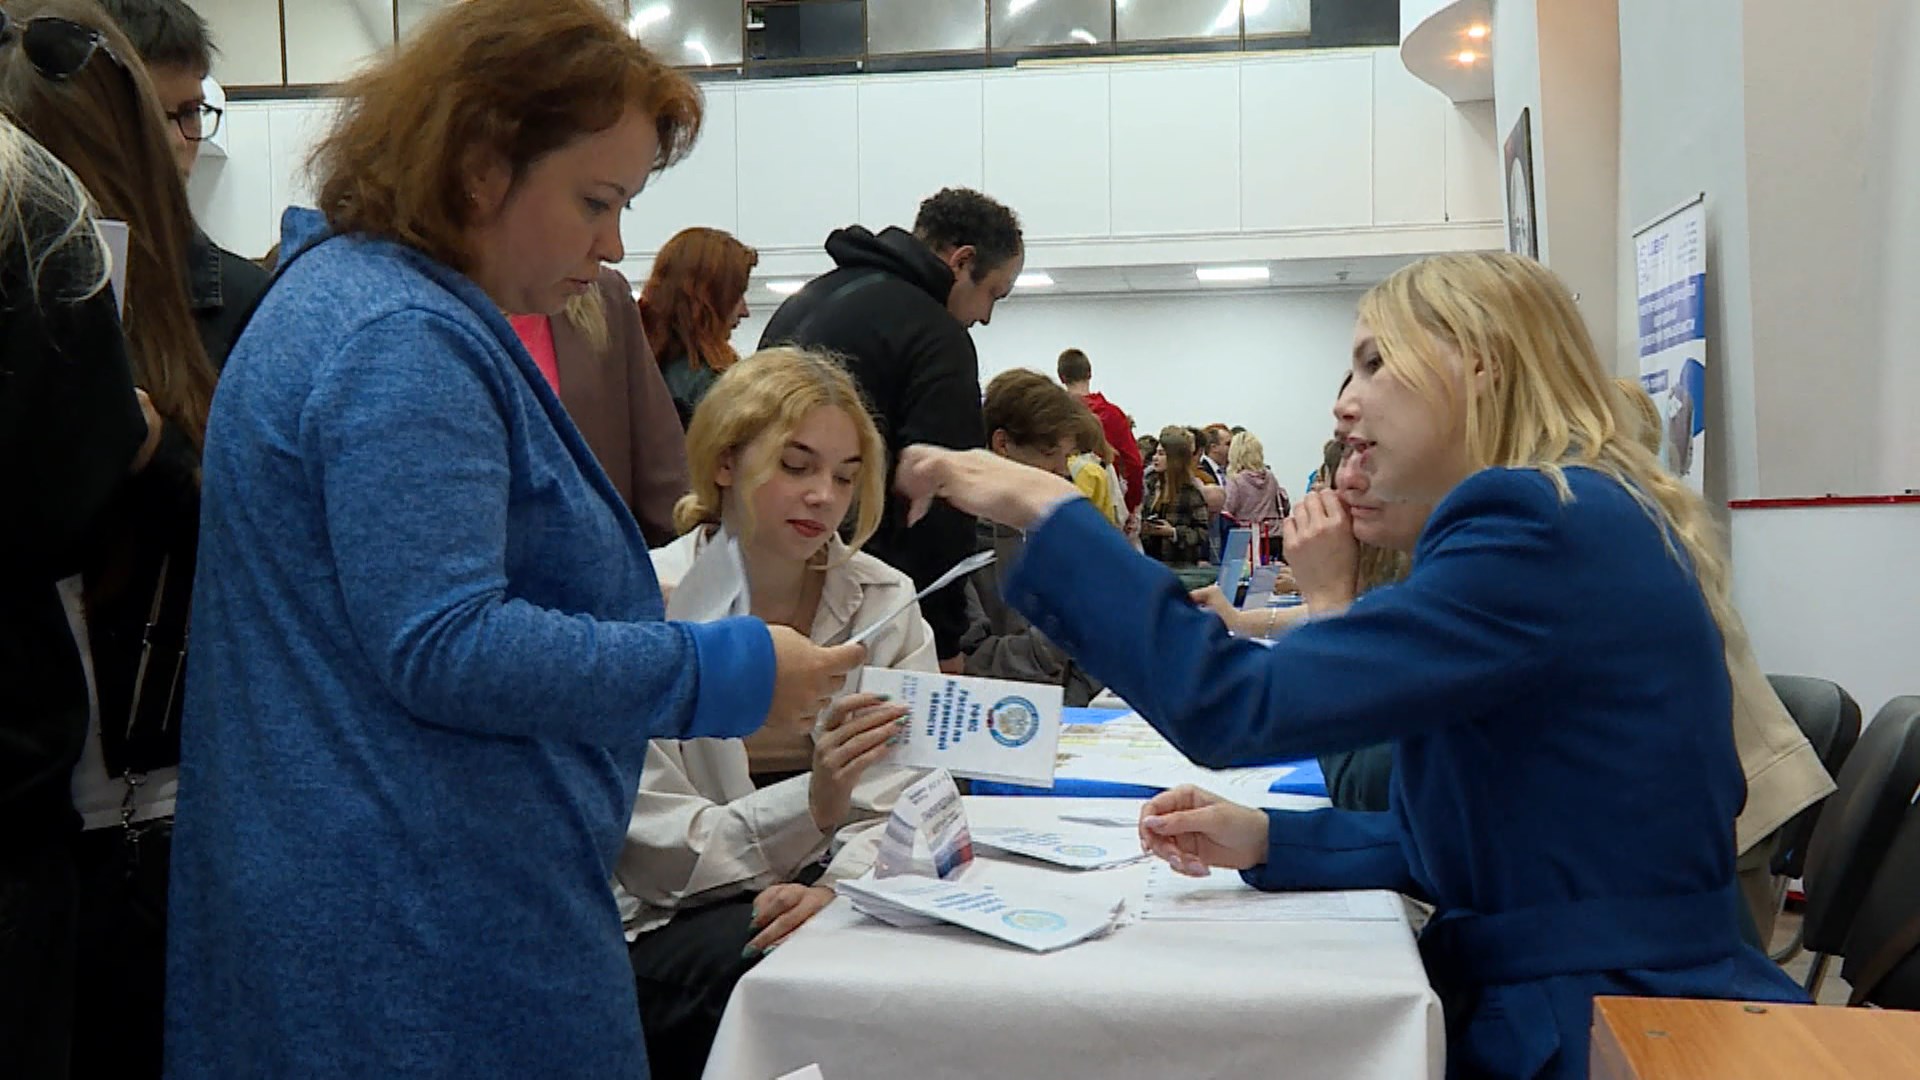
(1031, 918)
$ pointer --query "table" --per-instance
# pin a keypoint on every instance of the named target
(1153, 999)
(1686, 1039)
(1306, 780)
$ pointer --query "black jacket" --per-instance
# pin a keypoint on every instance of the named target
(69, 429)
(225, 287)
(885, 311)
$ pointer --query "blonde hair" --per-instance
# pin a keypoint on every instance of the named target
(1640, 410)
(35, 190)
(587, 313)
(1550, 405)
(1245, 454)
(770, 394)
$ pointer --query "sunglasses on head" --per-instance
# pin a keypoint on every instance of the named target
(57, 48)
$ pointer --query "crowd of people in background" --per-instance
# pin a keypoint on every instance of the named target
(443, 784)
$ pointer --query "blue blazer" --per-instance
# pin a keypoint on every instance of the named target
(1565, 780)
(427, 658)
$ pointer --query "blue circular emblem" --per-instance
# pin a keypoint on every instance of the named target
(1034, 921)
(1013, 721)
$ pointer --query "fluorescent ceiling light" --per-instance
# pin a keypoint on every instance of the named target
(1084, 37)
(1232, 273)
(696, 47)
(1229, 16)
(1034, 279)
(785, 288)
(1019, 6)
(1256, 8)
(646, 17)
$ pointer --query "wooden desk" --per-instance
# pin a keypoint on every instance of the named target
(1684, 1039)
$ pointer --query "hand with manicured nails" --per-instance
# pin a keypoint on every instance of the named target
(858, 731)
(806, 676)
(1322, 552)
(1195, 830)
(781, 910)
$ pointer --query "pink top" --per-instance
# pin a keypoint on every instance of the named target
(536, 333)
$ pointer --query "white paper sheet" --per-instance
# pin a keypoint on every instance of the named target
(959, 570)
(1223, 897)
(1031, 918)
(811, 1072)
(715, 586)
(114, 234)
(989, 729)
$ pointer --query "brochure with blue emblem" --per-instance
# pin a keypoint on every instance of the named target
(1025, 915)
(987, 729)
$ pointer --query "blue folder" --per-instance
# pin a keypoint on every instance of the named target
(1305, 779)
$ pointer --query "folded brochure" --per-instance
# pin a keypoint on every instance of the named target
(987, 729)
(1031, 918)
(1082, 847)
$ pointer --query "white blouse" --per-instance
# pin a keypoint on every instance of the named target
(700, 831)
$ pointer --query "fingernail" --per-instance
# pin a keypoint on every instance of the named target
(751, 953)
(886, 697)
(895, 741)
(1153, 823)
(902, 722)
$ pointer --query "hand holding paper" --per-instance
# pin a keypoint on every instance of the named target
(1194, 830)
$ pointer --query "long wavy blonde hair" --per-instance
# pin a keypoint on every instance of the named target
(771, 393)
(1552, 403)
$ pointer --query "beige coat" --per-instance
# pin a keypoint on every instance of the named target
(1784, 774)
(701, 832)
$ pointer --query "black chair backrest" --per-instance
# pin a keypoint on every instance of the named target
(1883, 950)
(1876, 787)
(1830, 719)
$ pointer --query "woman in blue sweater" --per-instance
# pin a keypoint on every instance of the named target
(1553, 671)
(428, 651)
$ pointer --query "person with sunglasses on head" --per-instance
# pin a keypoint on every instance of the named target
(430, 644)
(174, 43)
(65, 79)
(77, 443)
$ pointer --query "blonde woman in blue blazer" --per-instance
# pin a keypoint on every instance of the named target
(1553, 671)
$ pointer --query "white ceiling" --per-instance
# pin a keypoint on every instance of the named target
(1285, 275)
(1431, 48)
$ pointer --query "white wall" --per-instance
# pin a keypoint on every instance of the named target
(1893, 272)
(1831, 592)
(1332, 154)
(1269, 361)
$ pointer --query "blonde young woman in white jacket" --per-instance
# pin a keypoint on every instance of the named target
(715, 873)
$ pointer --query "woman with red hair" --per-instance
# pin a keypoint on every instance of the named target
(692, 302)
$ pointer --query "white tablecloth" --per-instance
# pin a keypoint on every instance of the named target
(1158, 999)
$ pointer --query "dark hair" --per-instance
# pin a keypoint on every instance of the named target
(687, 306)
(1032, 409)
(521, 80)
(1075, 367)
(1177, 444)
(961, 217)
(104, 124)
(1331, 455)
(166, 33)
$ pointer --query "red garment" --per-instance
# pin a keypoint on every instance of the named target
(1126, 452)
(536, 333)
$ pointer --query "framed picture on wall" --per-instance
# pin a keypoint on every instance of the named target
(1523, 236)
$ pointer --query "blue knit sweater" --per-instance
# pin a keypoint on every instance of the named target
(427, 657)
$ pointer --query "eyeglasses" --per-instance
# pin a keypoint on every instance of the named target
(57, 48)
(197, 121)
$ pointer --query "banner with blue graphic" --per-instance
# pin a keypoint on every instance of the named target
(1670, 269)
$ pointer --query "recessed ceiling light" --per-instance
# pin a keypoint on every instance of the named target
(1477, 32)
(1467, 56)
(785, 288)
(1034, 279)
(1232, 273)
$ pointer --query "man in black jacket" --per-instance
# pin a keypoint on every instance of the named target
(898, 308)
(174, 43)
